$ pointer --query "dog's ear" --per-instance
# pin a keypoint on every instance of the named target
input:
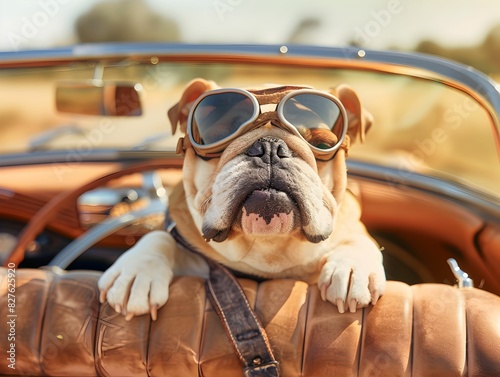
(359, 120)
(178, 113)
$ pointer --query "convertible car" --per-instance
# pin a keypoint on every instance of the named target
(87, 161)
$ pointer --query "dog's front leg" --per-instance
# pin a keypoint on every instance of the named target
(138, 282)
(353, 275)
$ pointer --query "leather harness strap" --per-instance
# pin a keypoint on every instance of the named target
(240, 322)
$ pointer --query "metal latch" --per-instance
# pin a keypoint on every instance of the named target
(463, 279)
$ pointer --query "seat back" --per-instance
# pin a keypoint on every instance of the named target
(60, 328)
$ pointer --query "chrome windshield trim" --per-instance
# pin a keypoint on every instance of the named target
(475, 200)
(101, 155)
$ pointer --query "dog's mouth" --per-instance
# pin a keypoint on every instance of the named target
(267, 212)
(262, 212)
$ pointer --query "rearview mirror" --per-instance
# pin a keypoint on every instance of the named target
(97, 97)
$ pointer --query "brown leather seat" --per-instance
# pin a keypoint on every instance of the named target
(422, 330)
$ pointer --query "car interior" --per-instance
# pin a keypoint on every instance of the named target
(429, 198)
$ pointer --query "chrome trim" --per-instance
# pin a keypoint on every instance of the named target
(107, 227)
(476, 201)
(99, 155)
(468, 76)
(96, 205)
(154, 191)
(463, 280)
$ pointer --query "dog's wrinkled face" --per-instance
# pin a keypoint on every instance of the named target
(267, 182)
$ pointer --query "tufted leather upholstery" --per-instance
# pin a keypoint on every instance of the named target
(422, 330)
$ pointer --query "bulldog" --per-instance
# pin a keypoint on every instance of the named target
(263, 192)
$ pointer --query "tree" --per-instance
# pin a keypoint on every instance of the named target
(125, 21)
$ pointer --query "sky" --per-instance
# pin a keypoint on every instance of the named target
(377, 24)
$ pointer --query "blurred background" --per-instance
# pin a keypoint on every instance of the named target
(462, 30)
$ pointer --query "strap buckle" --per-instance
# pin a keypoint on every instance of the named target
(270, 369)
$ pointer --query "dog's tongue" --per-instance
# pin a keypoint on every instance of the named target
(267, 212)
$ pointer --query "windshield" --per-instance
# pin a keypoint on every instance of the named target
(420, 125)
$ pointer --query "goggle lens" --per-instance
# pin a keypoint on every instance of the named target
(315, 117)
(219, 116)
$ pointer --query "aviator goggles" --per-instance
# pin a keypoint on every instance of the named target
(220, 116)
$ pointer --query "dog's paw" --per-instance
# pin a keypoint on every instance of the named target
(138, 282)
(351, 279)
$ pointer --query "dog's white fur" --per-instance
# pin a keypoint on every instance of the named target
(347, 265)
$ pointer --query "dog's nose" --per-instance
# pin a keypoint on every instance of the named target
(269, 149)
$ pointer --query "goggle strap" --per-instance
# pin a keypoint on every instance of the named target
(280, 89)
(346, 144)
(182, 145)
(274, 95)
(263, 118)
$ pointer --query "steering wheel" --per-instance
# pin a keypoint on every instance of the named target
(40, 220)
